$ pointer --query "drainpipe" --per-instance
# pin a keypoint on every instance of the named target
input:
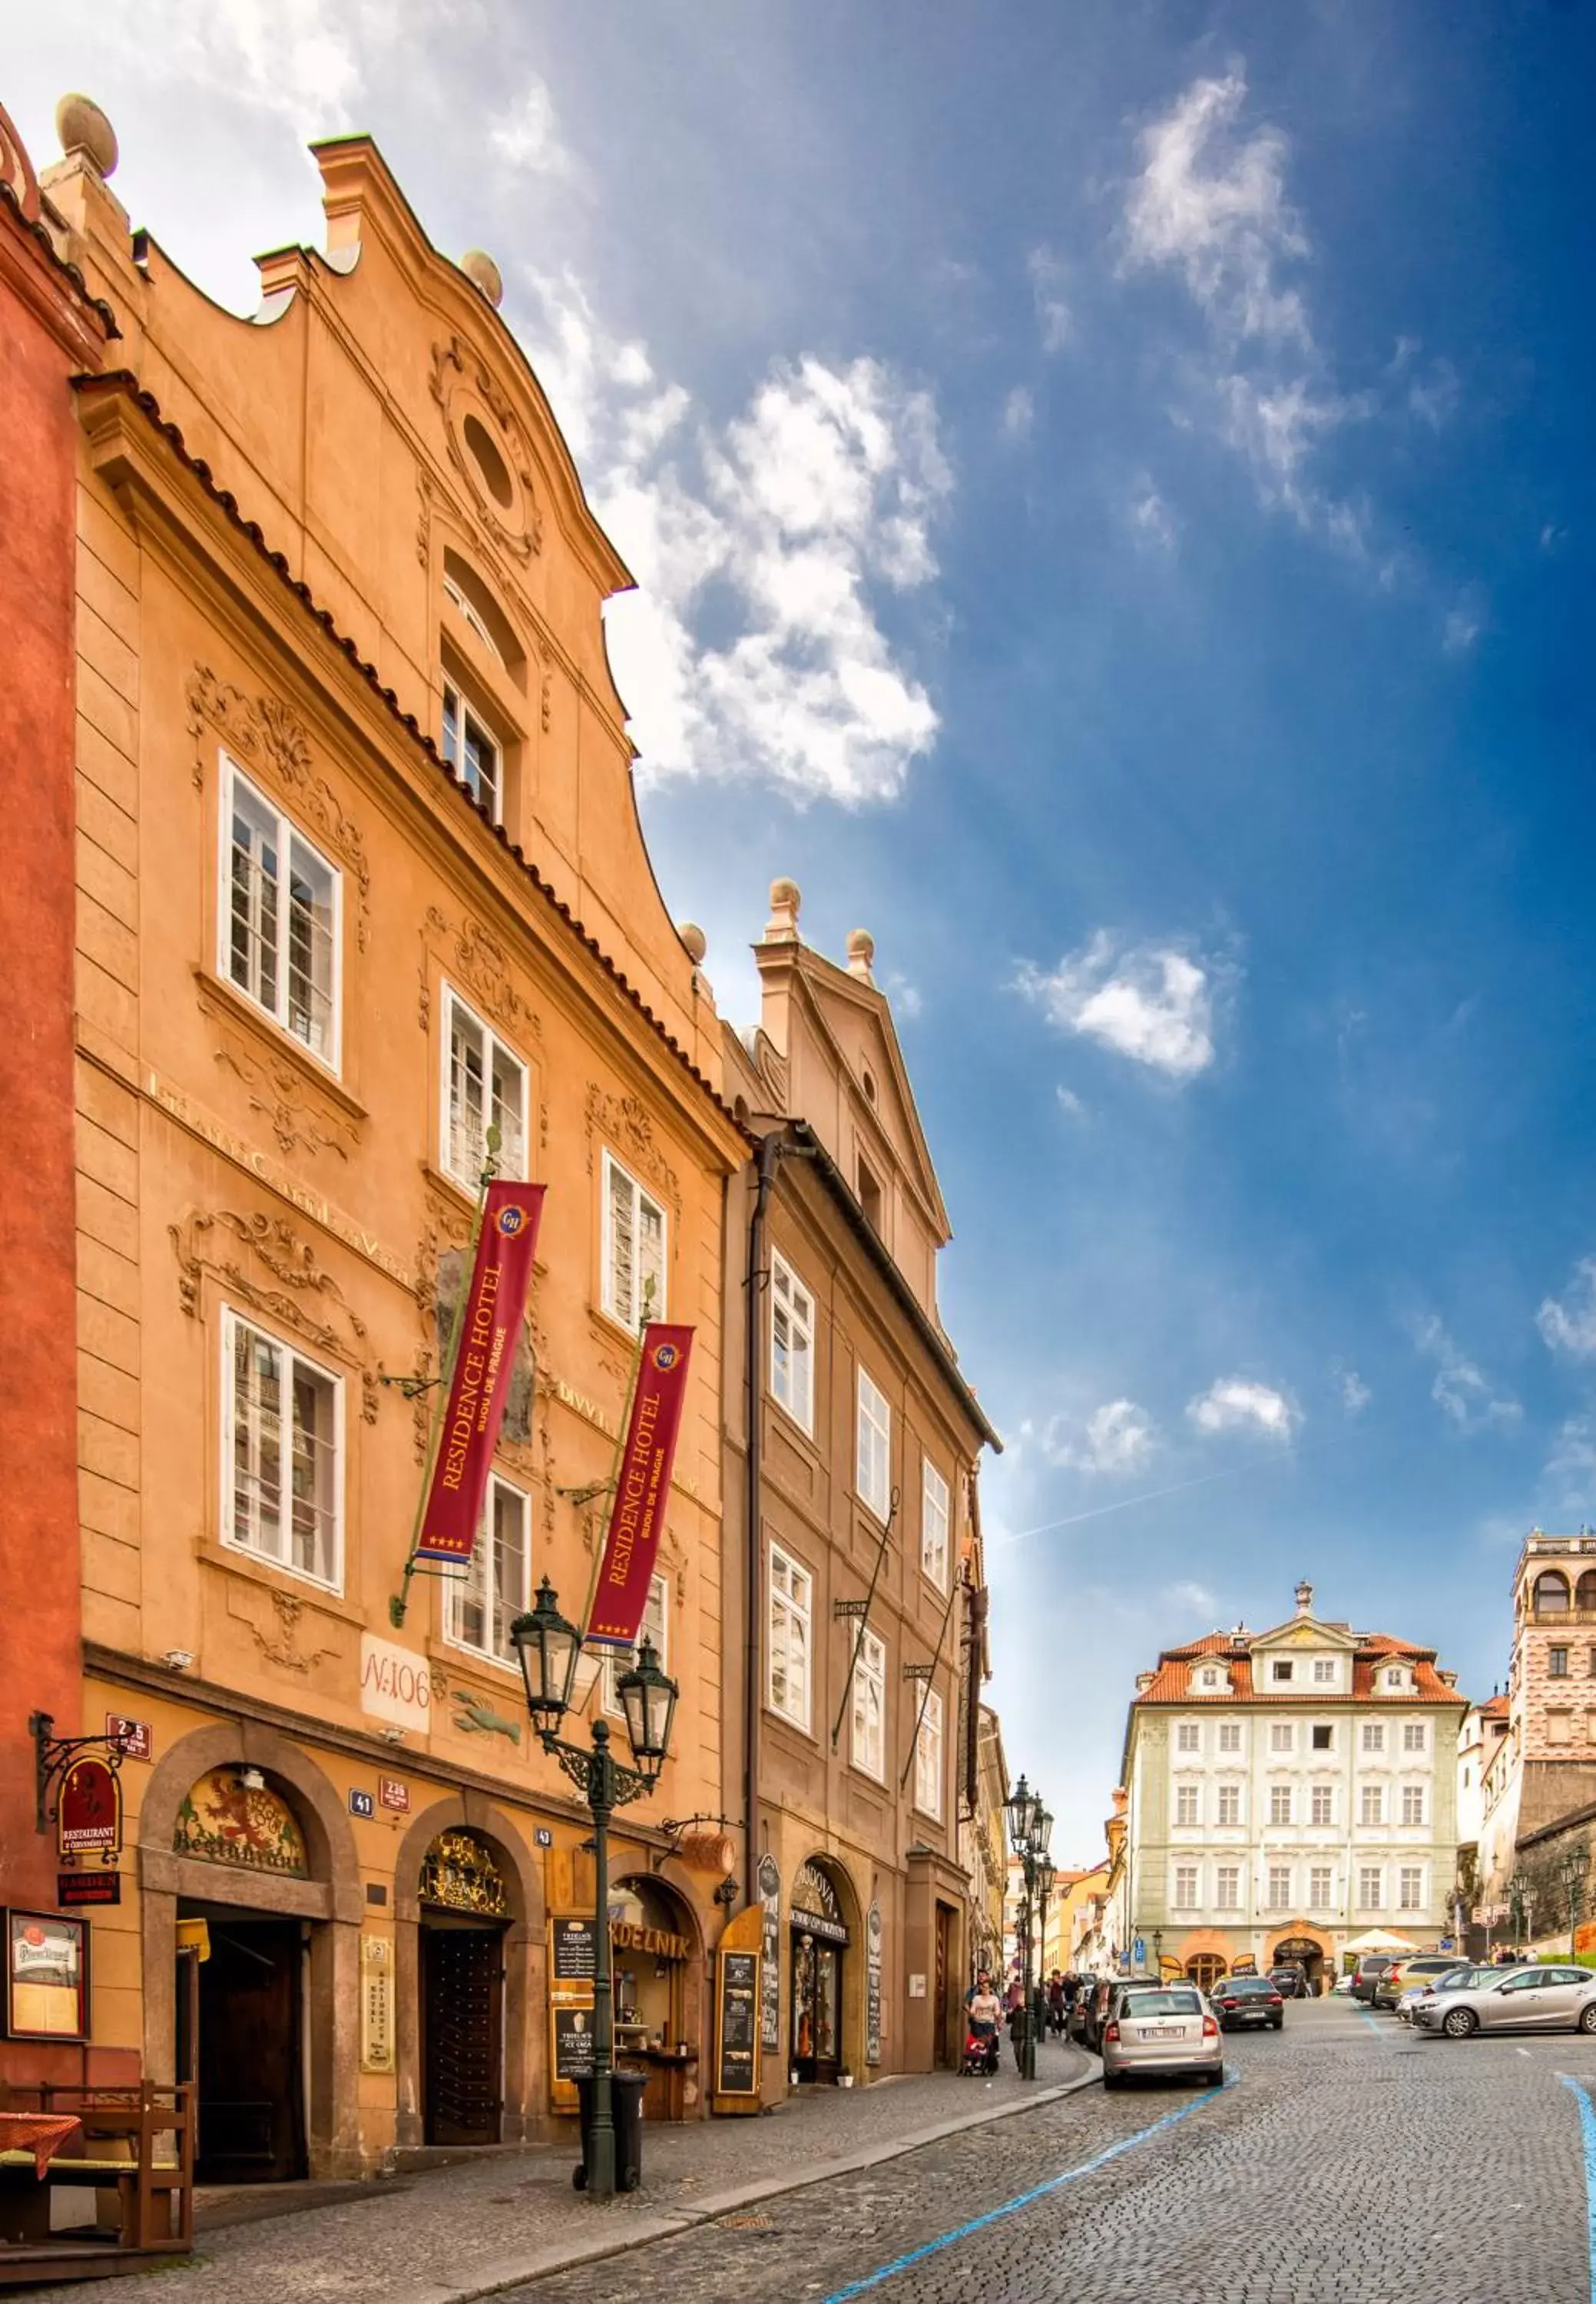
(766, 1160)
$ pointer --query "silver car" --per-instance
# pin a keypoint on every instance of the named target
(1541, 1999)
(1161, 2030)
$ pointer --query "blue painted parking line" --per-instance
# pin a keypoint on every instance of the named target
(1587, 2121)
(1023, 2199)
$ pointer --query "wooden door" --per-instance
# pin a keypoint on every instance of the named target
(250, 2060)
(461, 2025)
(940, 2050)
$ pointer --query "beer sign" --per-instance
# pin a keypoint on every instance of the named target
(89, 1817)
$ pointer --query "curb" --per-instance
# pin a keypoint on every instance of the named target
(540, 2264)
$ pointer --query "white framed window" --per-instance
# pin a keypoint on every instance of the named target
(279, 918)
(1230, 1735)
(1410, 1888)
(933, 1525)
(481, 1607)
(1371, 1888)
(873, 1475)
(1185, 1897)
(1187, 1736)
(1230, 1804)
(791, 1343)
(1324, 1672)
(1185, 1803)
(470, 616)
(1371, 1807)
(485, 1085)
(472, 752)
(869, 1707)
(655, 1627)
(635, 1240)
(790, 1607)
(1282, 1735)
(1412, 1803)
(927, 1756)
(1413, 1738)
(1320, 1891)
(1228, 1888)
(282, 1453)
(1279, 1803)
(1323, 1797)
(1374, 1736)
(1281, 1669)
(1279, 1887)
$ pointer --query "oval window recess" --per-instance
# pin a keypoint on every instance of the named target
(485, 455)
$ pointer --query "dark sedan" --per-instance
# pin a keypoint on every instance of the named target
(1243, 2000)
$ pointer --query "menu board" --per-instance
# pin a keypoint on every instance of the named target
(771, 1956)
(575, 1951)
(47, 1977)
(872, 1987)
(573, 2043)
(737, 2024)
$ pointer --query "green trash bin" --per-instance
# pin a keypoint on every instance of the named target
(626, 2114)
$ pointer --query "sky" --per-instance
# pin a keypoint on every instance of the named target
(1112, 497)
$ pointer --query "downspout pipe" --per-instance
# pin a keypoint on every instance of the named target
(766, 1162)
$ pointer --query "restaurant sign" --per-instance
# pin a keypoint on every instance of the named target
(816, 1911)
(89, 1820)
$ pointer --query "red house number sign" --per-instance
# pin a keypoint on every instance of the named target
(88, 1821)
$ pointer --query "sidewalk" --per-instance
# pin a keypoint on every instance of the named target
(454, 2234)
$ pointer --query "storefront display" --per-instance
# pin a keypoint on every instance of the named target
(651, 1952)
(819, 1941)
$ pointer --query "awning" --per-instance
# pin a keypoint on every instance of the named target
(1378, 1940)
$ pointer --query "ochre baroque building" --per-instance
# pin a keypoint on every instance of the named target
(359, 873)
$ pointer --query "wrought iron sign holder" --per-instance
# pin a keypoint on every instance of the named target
(53, 1756)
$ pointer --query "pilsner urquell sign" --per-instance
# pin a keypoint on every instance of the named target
(643, 1488)
(491, 1323)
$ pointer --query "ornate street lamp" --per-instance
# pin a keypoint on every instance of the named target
(1047, 1873)
(1042, 1829)
(1518, 1889)
(1022, 1806)
(1030, 1829)
(1575, 1867)
(548, 1648)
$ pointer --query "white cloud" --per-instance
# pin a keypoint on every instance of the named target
(1233, 1404)
(1461, 1390)
(1153, 1003)
(527, 138)
(1433, 398)
(1194, 1599)
(1355, 1395)
(1462, 628)
(1571, 1467)
(1568, 1323)
(1019, 414)
(1117, 1438)
(1053, 315)
(907, 998)
(1152, 519)
(1070, 1103)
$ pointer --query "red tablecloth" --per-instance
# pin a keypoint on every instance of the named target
(41, 2133)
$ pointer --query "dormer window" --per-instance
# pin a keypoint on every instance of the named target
(1396, 1677)
(1281, 1669)
(472, 752)
(470, 616)
(1324, 1672)
(1209, 1679)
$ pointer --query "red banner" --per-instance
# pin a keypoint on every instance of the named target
(490, 1326)
(642, 1492)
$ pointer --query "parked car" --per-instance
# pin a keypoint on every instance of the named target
(1342, 1986)
(1247, 2000)
(1541, 1999)
(1097, 2004)
(1161, 2030)
(1424, 1987)
(1368, 1972)
(1418, 1969)
(1290, 1979)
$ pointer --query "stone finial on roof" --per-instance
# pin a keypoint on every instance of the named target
(861, 952)
(694, 941)
(484, 274)
(1305, 1599)
(786, 901)
(82, 127)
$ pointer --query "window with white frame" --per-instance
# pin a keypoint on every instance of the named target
(873, 1478)
(933, 1526)
(869, 1707)
(1230, 1804)
(470, 614)
(1281, 1669)
(1185, 1803)
(1412, 1736)
(1318, 1888)
(1279, 1887)
(1371, 1888)
(1374, 1736)
(485, 1085)
(1279, 1803)
(1371, 1807)
(1282, 1735)
(1187, 1736)
(1412, 1803)
(279, 918)
(634, 1250)
(1185, 1898)
(1324, 1672)
(792, 1600)
(1324, 1804)
(482, 1606)
(281, 1446)
(655, 1627)
(1230, 1735)
(472, 753)
(1228, 1888)
(791, 1343)
(1410, 1888)
(927, 1756)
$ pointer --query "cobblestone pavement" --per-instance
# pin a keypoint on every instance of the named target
(435, 2237)
(1347, 2163)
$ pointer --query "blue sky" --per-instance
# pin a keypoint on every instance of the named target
(1113, 492)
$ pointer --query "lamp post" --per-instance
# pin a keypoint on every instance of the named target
(1518, 1889)
(548, 1647)
(1047, 1873)
(1030, 1829)
(1573, 1870)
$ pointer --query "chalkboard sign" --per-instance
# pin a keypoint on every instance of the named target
(738, 2027)
(770, 1957)
(573, 2043)
(576, 1952)
(872, 1987)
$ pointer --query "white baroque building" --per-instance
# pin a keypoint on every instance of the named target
(1290, 1793)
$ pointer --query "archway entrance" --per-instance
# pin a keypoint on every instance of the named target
(1302, 1951)
(819, 1946)
(465, 1911)
(654, 1943)
(1205, 1968)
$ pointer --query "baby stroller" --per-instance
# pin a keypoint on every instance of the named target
(980, 2053)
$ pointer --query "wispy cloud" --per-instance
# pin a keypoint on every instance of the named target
(1355, 1395)
(1568, 1322)
(1019, 414)
(1054, 319)
(1070, 1104)
(1153, 1003)
(1233, 1403)
(1116, 1438)
(1152, 521)
(1570, 1472)
(1461, 626)
(907, 997)
(527, 136)
(1461, 1390)
(1194, 1599)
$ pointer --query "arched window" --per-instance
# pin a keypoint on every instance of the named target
(1585, 1593)
(1551, 1592)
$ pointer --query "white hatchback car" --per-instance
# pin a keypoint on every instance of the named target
(1161, 2030)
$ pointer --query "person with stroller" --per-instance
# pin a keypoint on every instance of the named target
(983, 2015)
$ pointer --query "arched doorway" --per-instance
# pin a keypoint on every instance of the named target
(821, 1938)
(1205, 1968)
(656, 1951)
(465, 1910)
(1204, 1956)
(1303, 1952)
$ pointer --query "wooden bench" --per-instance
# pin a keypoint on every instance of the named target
(135, 2152)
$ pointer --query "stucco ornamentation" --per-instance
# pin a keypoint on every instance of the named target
(626, 1123)
(463, 385)
(478, 965)
(263, 733)
(263, 1261)
(297, 1116)
(279, 1641)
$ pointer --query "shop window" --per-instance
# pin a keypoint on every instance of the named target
(485, 1085)
(634, 1250)
(791, 1343)
(483, 1604)
(281, 1443)
(927, 1756)
(279, 918)
(933, 1527)
(790, 1612)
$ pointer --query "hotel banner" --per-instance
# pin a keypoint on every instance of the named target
(642, 1491)
(489, 1330)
